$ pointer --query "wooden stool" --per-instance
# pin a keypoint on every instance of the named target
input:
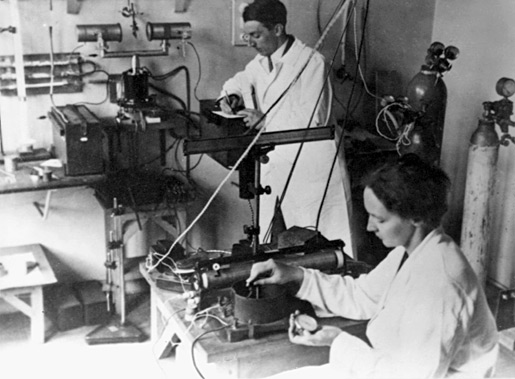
(30, 282)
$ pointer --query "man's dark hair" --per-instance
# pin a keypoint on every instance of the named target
(268, 12)
(411, 188)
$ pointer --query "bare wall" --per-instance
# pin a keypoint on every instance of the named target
(485, 34)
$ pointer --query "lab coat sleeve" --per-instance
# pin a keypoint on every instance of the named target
(344, 296)
(239, 84)
(427, 334)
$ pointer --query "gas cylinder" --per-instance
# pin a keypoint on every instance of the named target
(427, 95)
(480, 180)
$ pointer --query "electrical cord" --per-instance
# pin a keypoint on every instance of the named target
(169, 94)
(106, 97)
(224, 326)
(338, 11)
(199, 70)
(174, 72)
(365, 86)
(340, 141)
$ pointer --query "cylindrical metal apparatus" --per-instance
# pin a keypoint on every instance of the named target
(91, 32)
(168, 30)
(225, 277)
(259, 304)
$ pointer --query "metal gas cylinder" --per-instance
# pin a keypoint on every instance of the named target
(427, 95)
(481, 172)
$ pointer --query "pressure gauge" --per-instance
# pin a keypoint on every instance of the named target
(305, 324)
(505, 87)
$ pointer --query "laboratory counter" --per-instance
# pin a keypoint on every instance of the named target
(203, 345)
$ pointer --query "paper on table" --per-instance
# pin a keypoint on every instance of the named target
(17, 272)
(227, 115)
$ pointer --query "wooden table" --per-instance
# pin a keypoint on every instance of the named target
(22, 181)
(214, 357)
(12, 285)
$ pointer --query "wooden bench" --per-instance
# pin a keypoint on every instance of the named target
(15, 285)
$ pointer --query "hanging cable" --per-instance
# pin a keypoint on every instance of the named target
(199, 70)
(358, 55)
(333, 19)
(340, 141)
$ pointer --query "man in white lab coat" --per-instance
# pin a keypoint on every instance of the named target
(280, 59)
(428, 313)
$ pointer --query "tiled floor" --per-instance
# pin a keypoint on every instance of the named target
(67, 355)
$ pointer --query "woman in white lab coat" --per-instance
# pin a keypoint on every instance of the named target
(281, 58)
(428, 318)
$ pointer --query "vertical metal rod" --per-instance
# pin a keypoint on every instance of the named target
(109, 274)
(257, 187)
(118, 235)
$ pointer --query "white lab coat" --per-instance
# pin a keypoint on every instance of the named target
(260, 89)
(429, 319)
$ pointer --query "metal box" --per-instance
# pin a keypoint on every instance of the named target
(77, 136)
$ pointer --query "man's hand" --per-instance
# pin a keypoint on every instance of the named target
(252, 117)
(323, 336)
(272, 272)
(228, 104)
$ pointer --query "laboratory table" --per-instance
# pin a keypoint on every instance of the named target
(212, 355)
(22, 180)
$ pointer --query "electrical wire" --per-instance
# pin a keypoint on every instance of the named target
(199, 70)
(169, 94)
(106, 97)
(340, 141)
(195, 342)
(174, 72)
(388, 118)
(358, 54)
(336, 14)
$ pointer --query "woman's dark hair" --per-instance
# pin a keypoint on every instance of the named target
(268, 12)
(411, 188)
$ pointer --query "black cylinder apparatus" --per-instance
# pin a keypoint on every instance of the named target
(168, 30)
(91, 32)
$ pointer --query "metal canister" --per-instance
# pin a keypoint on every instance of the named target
(259, 304)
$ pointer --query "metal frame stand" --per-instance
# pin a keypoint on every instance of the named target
(118, 330)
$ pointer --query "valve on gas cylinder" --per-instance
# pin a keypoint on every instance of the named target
(416, 121)
(501, 110)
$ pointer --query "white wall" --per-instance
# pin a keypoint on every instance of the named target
(485, 34)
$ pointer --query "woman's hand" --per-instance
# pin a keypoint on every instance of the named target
(272, 272)
(252, 117)
(323, 336)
